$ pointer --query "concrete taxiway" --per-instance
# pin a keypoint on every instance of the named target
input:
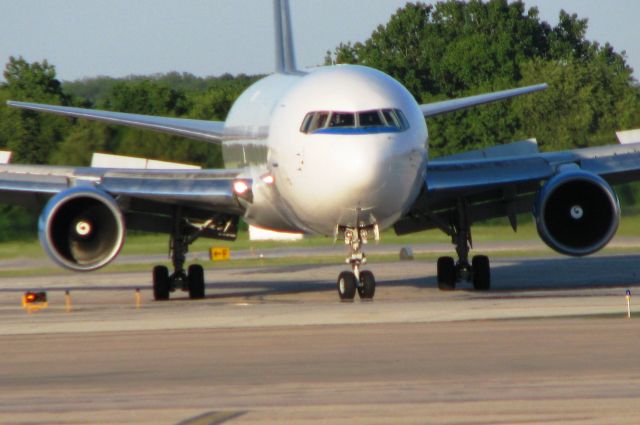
(550, 344)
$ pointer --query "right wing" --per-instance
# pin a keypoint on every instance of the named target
(209, 131)
(86, 212)
(148, 198)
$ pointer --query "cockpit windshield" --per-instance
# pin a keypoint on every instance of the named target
(364, 122)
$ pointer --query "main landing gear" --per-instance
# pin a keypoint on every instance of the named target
(361, 281)
(450, 272)
(191, 280)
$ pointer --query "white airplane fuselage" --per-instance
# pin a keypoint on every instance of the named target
(337, 177)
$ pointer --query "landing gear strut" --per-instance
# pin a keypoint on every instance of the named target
(361, 281)
(450, 272)
(191, 280)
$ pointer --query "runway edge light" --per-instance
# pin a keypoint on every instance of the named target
(34, 300)
(67, 301)
(628, 297)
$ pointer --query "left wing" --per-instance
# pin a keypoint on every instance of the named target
(446, 106)
(491, 185)
(209, 131)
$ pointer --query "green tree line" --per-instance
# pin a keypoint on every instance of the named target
(37, 138)
(454, 48)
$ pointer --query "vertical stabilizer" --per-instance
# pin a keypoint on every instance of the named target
(285, 56)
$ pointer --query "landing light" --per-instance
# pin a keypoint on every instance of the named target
(268, 179)
(240, 187)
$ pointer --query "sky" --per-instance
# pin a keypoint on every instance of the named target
(88, 38)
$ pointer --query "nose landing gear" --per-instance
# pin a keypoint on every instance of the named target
(362, 282)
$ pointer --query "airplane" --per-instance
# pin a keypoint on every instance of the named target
(337, 151)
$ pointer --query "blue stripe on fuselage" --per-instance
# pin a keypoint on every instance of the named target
(357, 130)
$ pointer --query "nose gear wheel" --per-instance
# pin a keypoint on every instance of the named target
(347, 286)
(367, 287)
(361, 281)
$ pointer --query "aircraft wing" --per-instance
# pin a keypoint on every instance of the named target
(503, 186)
(209, 131)
(148, 198)
(446, 106)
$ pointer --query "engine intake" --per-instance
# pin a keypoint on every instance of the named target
(82, 229)
(577, 213)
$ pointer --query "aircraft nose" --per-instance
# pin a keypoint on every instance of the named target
(362, 170)
(363, 173)
(345, 179)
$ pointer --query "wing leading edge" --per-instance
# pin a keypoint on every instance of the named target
(208, 131)
(201, 193)
(506, 186)
(452, 105)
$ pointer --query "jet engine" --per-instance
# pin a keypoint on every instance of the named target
(82, 229)
(577, 213)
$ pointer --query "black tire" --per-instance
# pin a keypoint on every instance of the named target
(196, 281)
(347, 286)
(161, 286)
(367, 287)
(481, 272)
(447, 275)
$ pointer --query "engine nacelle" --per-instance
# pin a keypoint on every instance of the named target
(577, 213)
(82, 229)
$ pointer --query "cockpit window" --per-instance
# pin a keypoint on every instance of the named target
(370, 119)
(390, 117)
(314, 121)
(364, 122)
(342, 119)
(321, 120)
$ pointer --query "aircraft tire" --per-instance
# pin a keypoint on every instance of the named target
(367, 287)
(481, 272)
(447, 275)
(161, 286)
(196, 281)
(347, 286)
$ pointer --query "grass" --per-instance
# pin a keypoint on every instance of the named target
(29, 249)
(286, 261)
(148, 244)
